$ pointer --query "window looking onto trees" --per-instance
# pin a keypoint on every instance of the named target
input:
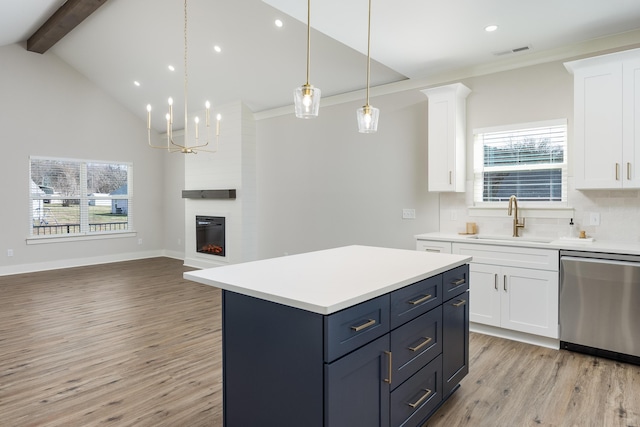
(78, 197)
(527, 160)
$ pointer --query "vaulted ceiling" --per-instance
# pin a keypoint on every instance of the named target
(124, 41)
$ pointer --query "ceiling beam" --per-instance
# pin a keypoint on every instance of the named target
(65, 19)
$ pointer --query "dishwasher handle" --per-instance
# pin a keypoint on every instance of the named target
(600, 261)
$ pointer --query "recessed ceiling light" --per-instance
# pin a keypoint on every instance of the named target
(279, 23)
(217, 48)
(137, 83)
(490, 28)
(171, 68)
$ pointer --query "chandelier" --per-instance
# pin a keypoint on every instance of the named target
(185, 147)
(368, 115)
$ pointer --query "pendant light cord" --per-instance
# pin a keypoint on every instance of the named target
(368, 51)
(308, 39)
(185, 74)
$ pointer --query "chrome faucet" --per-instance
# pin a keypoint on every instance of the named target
(513, 203)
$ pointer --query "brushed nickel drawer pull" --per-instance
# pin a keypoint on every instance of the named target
(390, 366)
(628, 170)
(459, 303)
(504, 282)
(371, 322)
(420, 300)
(458, 282)
(450, 180)
(617, 171)
(495, 281)
(424, 396)
(426, 341)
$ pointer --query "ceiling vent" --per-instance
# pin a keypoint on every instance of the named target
(510, 51)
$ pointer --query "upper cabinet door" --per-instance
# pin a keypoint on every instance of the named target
(631, 124)
(447, 137)
(606, 113)
(598, 126)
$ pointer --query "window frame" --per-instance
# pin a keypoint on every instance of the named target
(478, 165)
(84, 200)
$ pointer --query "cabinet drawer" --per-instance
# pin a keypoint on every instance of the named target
(355, 326)
(413, 300)
(414, 400)
(540, 259)
(455, 282)
(433, 246)
(415, 344)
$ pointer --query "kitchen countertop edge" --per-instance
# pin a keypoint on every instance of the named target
(602, 246)
(371, 272)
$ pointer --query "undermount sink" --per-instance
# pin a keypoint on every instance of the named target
(511, 239)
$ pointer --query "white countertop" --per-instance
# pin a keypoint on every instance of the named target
(606, 246)
(328, 281)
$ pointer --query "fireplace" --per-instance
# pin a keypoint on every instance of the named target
(210, 235)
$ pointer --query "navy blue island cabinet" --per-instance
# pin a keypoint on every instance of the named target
(391, 360)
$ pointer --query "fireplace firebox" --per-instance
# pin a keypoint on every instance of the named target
(210, 235)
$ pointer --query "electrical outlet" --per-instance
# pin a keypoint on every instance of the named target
(454, 216)
(179, 242)
(139, 241)
(9, 252)
(594, 218)
(408, 214)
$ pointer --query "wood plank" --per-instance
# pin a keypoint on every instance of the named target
(134, 344)
(517, 384)
(121, 344)
(65, 19)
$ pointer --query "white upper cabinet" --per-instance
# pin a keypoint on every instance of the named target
(447, 137)
(606, 120)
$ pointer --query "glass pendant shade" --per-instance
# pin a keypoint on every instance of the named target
(307, 101)
(368, 119)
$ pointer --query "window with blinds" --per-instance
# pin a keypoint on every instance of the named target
(79, 197)
(526, 160)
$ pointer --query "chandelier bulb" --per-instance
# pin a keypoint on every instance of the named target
(170, 101)
(149, 108)
(207, 105)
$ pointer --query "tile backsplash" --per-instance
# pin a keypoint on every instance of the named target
(618, 211)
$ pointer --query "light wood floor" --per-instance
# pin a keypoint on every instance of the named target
(133, 344)
(120, 344)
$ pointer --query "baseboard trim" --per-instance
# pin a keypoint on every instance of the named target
(82, 262)
(515, 335)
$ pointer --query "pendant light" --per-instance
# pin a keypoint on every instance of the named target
(368, 115)
(307, 98)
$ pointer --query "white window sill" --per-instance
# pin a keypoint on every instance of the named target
(523, 211)
(55, 238)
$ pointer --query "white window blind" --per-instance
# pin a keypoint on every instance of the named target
(526, 160)
(79, 197)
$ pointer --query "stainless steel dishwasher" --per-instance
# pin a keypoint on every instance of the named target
(600, 304)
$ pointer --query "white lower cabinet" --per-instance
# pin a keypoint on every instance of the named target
(433, 246)
(506, 294)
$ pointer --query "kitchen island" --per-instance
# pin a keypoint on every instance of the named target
(342, 337)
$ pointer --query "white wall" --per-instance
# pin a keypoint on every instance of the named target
(173, 176)
(319, 183)
(531, 94)
(49, 109)
(322, 184)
